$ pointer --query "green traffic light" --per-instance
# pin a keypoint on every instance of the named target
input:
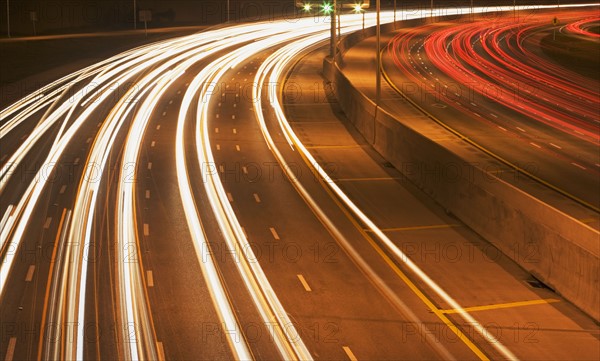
(327, 8)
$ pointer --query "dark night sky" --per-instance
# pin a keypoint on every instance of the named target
(69, 15)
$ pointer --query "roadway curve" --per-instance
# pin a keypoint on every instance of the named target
(142, 254)
(489, 81)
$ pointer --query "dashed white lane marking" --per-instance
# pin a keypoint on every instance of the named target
(221, 168)
(245, 170)
(161, 351)
(149, 165)
(521, 129)
(47, 224)
(153, 143)
(234, 131)
(30, 272)
(76, 161)
(493, 115)
(146, 229)
(304, 283)
(218, 146)
(217, 130)
(10, 352)
(274, 233)
(237, 147)
(217, 116)
(535, 145)
(256, 198)
(62, 189)
(579, 166)
(150, 278)
(504, 129)
(147, 194)
(233, 117)
(556, 146)
(170, 102)
(158, 127)
(230, 197)
(88, 140)
(164, 113)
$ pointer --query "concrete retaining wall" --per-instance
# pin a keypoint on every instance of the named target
(555, 248)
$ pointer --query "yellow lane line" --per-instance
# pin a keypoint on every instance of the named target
(396, 269)
(502, 305)
(367, 179)
(417, 228)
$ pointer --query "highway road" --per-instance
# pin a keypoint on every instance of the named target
(489, 81)
(160, 205)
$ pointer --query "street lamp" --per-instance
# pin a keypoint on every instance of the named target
(328, 9)
(358, 9)
(378, 66)
(8, 17)
(431, 11)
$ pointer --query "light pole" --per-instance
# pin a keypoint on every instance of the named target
(134, 15)
(378, 73)
(359, 10)
(8, 17)
(472, 15)
(431, 11)
(329, 9)
(227, 10)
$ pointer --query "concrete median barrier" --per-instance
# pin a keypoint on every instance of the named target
(554, 247)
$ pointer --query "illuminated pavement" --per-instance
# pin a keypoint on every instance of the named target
(147, 172)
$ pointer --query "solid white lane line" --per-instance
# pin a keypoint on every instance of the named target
(274, 233)
(304, 283)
